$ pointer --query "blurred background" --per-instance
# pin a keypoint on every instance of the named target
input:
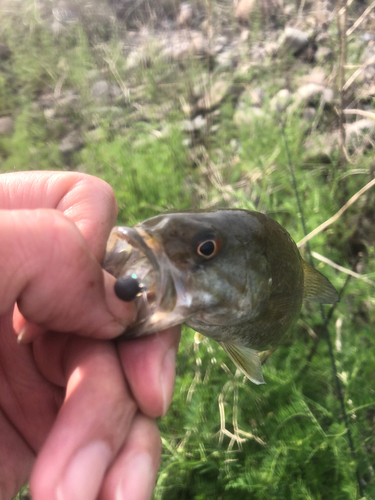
(220, 103)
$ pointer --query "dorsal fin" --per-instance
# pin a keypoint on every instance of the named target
(316, 287)
(246, 360)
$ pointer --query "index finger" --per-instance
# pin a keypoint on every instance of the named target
(87, 200)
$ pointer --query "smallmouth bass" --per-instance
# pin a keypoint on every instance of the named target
(235, 276)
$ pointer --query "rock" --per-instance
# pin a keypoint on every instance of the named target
(252, 97)
(294, 40)
(324, 54)
(314, 95)
(6, 125)
(97, 134)
(63, 16)
(198, 123)
(214, 96)
(100, 89)
(93, 74)
(365, 93)
(185, 16)
(367, 37)
(316, 76)
(258, 52)
(281, 100)
(46, 101)
(60, 106)
(248, 116)
(320, 148)
(360, 134)
(368, 73)
(71, 142)
(220, 43)
(112, 112)
(309, 114)
(137, 58)
(5, 52)
(49, 113)
(244, 35)
(262, 10)
(227, 60)
(199, 44)
(244, 9)
(67, 102)
(271, 48)
(185, 43)
(106, 92)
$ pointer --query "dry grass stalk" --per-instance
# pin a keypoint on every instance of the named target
(342, 269)
(366, 114)
(337, 215)
(342, 19)
(357, 73)
(360, 19)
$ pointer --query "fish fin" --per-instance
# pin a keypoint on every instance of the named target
(264, 355)
(246, 360)
(198, 338)
(316, 287)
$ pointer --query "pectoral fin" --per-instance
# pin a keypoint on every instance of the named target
(198, 338)
(264, 355)
(246, 360)
(316, 287)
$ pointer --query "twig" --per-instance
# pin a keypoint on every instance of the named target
(337, 215)
(361, 112)
(360, 19)
(358, 72)
(342, 269)
(341, 29)
(326, 320)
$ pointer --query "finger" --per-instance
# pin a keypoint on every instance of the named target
(133, 475)
(48, 268)
(16, 459)
(91, 427)
(87, 200)
(149, 366)
(27, 398)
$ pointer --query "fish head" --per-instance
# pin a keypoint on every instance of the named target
(200, 267)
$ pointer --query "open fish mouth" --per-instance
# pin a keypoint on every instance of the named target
(144, 275)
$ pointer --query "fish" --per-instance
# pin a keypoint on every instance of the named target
(233, 275)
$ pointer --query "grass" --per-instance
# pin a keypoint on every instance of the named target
(223, 437)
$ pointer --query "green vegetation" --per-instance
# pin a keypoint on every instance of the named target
(223, 437)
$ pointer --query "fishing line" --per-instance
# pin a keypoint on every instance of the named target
(325, 318)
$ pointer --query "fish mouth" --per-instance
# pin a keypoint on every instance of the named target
(161, 299)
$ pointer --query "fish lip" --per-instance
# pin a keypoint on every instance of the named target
(164, 310)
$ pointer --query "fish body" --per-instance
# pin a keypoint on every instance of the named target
(235, 276)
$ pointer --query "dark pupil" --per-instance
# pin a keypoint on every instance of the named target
(207, 248)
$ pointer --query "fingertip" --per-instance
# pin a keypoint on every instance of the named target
(149, 365)
(167, 378)
(134, 472)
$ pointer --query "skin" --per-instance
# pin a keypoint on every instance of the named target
(77, 410)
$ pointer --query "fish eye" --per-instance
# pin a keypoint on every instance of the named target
(209, 248)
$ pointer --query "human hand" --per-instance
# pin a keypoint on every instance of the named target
(76, 412)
